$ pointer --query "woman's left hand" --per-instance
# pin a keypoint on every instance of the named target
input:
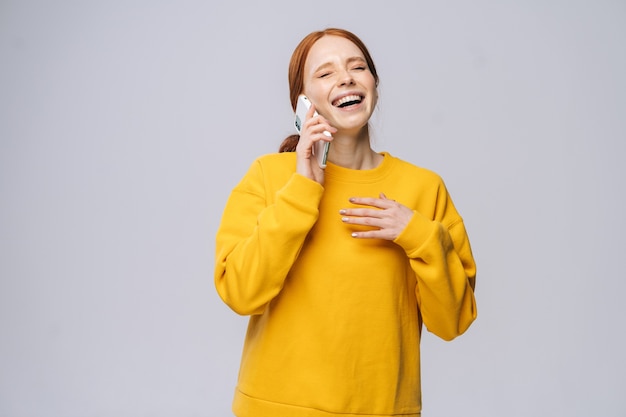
(388, 218)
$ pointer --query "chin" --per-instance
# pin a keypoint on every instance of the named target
(356, 123)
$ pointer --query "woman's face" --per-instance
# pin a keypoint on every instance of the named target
(338, 81)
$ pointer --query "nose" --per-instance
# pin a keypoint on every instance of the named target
(346, 78)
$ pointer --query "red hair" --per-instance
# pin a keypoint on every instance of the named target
(296, 70)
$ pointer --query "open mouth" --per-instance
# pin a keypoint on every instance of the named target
(347, 101)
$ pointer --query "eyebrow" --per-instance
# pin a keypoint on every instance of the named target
(349, 61)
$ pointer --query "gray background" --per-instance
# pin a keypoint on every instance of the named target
(124, 126)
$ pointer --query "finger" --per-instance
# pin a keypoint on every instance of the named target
(364, 201)
(319, 124)
(329, 129)
(391, 202)
(363, 212)
(363, 221)
(310, 112)
(321, 132)
(372, 234)
(373, 202)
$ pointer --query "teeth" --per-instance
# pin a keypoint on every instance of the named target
(347, 99)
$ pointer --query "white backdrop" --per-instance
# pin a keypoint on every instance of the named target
(125, 124)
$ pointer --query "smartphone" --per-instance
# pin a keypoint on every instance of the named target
(320, 148)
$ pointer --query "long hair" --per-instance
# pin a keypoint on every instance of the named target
(296, 71)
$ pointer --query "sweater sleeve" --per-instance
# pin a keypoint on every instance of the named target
(441, 257)
(260, 236)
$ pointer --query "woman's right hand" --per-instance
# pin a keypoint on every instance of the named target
(312, 131)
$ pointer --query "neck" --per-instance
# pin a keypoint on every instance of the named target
(353, 150)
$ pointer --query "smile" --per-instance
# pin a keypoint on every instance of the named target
(348, 101)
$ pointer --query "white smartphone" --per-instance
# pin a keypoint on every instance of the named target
(320, 149)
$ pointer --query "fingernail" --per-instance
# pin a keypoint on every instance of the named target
(342, 211)
(354, 234)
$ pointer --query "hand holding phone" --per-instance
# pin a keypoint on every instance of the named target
(320, 148)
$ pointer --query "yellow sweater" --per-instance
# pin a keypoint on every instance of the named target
(335, 321)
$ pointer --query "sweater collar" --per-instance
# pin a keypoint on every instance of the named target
(338, 173)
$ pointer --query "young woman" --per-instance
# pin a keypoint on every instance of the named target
(338, 268)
